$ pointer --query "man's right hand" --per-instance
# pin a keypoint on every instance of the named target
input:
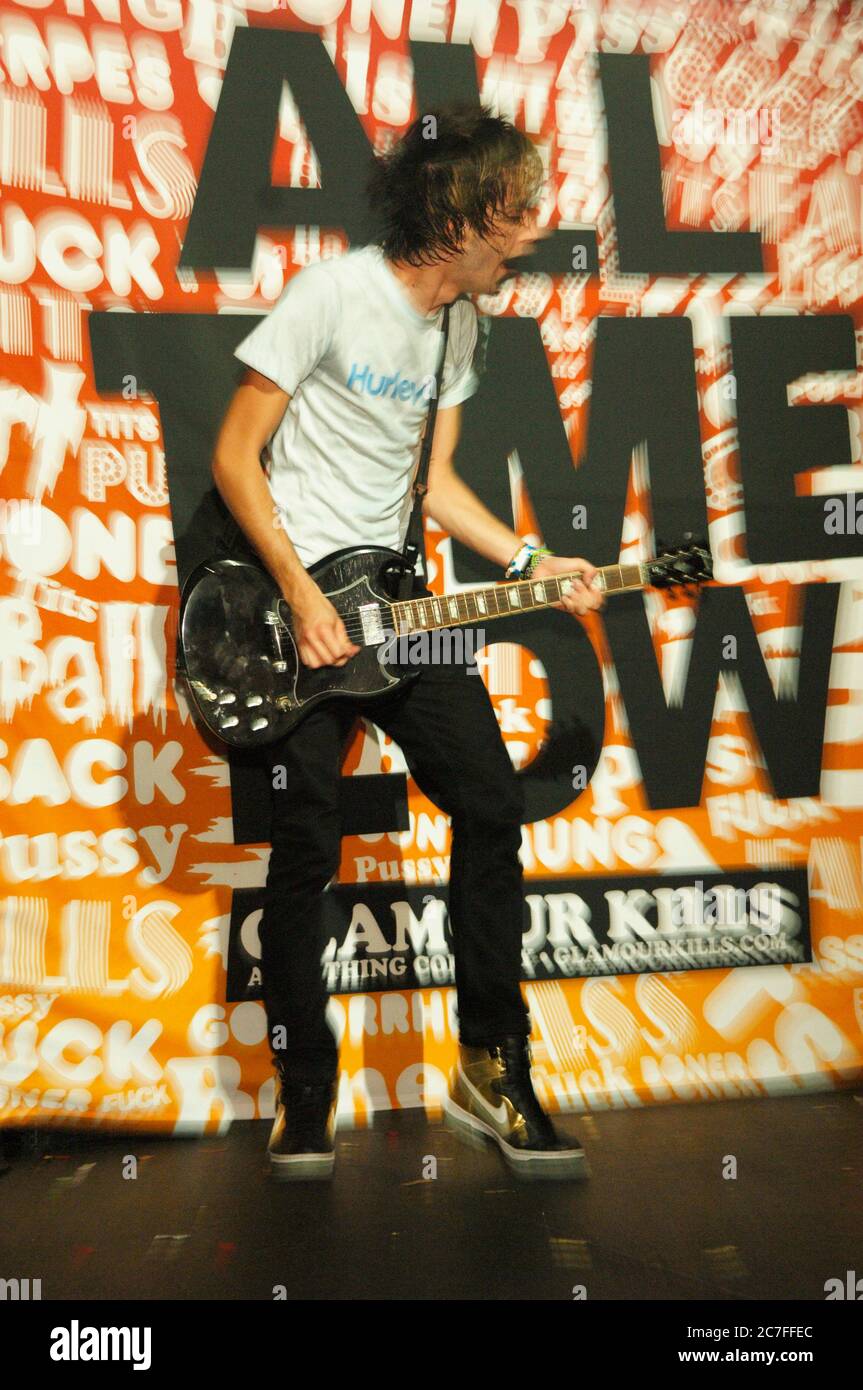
(321, 636)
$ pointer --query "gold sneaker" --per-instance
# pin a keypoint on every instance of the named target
(302, 1140)
(491, 1096)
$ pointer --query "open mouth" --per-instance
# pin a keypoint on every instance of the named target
(516, 265)
(524, 262)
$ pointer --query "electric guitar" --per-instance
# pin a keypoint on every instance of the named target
(237, 651)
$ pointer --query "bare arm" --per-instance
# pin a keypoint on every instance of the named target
(455, 506)
(253, 415)
(463, 516)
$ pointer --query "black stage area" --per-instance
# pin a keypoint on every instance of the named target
(657, 1220)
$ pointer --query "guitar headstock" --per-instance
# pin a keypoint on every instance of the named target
(683, 566)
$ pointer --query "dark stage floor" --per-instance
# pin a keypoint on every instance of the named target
(657, 1220)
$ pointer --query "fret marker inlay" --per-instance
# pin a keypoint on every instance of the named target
(439, 611)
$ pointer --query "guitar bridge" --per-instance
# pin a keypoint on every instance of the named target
(372, 623)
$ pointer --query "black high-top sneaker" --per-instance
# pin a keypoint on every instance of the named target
(301, 1143)
(491, 1095)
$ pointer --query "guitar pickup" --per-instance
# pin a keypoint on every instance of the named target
(372, 623)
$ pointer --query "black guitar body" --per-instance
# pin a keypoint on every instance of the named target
(236, 646)
(239, 655)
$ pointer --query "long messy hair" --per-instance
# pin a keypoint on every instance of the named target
(457, 168)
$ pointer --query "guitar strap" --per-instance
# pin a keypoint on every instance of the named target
(414, 546)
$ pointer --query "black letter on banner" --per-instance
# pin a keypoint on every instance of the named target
(644, 389)
(671, 743)
(496, 425)
(235, 195)
(643, 240)
(445, 73)
(164, 353)
(777, 440)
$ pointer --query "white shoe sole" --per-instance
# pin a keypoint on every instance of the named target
(289, 1167)
(562, 1163)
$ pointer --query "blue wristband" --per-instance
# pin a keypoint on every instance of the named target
(520, 561)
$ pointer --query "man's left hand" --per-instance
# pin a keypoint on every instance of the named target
(582, 597)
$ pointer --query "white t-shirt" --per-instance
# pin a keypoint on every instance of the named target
(358, 361)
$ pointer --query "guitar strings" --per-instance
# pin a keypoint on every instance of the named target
(355, 629)
(354, 623)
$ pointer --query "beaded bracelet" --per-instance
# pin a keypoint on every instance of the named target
(536, 559)
(525, 560)
(515, 568)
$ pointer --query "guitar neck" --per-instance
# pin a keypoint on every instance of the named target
(499, 600)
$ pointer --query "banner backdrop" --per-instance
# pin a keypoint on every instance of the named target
(681, 356)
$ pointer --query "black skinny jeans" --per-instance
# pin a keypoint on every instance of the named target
(445, 725)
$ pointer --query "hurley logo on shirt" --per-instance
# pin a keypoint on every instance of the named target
(397, 388)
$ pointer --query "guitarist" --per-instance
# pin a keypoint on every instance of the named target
(334, 400)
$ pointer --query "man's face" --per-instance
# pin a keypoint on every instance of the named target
(481, 267)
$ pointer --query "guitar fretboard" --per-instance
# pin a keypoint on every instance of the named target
(498, 600)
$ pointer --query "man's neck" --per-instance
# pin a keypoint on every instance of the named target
(426, 286)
